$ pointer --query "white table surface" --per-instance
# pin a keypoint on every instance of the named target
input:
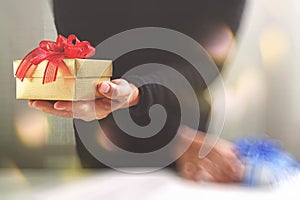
(32, 184)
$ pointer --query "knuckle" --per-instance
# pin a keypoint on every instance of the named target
(84, 116)
(101, 116)
(85, 108)
(115, 92)
(87, 118)
(122, 82)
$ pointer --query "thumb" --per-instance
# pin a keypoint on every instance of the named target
(114, 90)
(103, 89)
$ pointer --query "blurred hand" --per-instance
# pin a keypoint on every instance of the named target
(220, 165)
(110, 96)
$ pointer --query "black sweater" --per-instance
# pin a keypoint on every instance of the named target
(97, 20)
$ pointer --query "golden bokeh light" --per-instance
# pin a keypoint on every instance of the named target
(32, 128)
(16, 176)
(251, 86)
(274, 45)
(247, 92)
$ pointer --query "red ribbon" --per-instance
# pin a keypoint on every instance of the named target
(54, 52)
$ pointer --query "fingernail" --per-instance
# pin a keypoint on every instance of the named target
(60, 108)
(33, 104)
(57, 107)
(104, 88)
(30, 103)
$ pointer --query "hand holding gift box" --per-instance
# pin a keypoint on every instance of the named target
(57, 71)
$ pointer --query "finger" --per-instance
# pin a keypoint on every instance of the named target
(197, 169)
(47, 107)
(79, 109)
(188, 170)
(63, 105)
(88, 110)
(222, 159)
(30, 103)
(115, 89)
(204, 176)
(200, 170)
(101, 105)
(102, 88)
(217, 175)
(82, 106)
(226, 164)
(106, 105)
(221, 155)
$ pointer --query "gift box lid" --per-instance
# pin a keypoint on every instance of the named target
(79, 68)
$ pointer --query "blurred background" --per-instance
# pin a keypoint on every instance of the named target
(262, 80)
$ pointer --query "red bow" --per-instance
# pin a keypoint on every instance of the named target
(54, 52)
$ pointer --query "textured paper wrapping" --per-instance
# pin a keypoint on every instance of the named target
(79, 85)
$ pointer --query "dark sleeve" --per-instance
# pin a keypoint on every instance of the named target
(177, 89)
(96, 20)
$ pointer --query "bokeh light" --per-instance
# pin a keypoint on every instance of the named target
(251, 86)
(220, 43)
(32, 128)
(274, 45)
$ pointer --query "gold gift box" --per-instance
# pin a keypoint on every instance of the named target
(85, 74)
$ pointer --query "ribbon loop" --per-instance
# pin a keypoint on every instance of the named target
(54, 52)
